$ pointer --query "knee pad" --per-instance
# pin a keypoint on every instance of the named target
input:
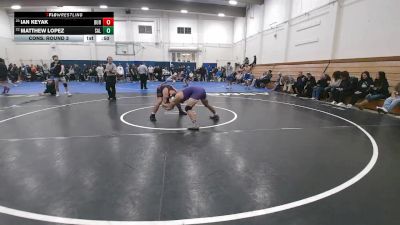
(65, 84)
(188, 108)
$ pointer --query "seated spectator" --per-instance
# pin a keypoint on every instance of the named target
(333, 84)
(298, 86)
(288, 82)
(247, 79)
(319, 89)
(310, 84)
(263, 80)
(344, 90)
(391, 102)
(279, 83)
(363, 87)
(379, 91)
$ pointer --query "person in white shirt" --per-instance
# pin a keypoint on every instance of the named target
(151, 73)
(143, 71)
(120, 70)
(100, 73)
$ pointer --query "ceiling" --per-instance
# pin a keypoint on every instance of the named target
(194, 6)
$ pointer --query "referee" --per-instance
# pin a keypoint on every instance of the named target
(143, 71)
(111, 79)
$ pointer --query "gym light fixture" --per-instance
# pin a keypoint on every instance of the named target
(233, 2)
(16, 7)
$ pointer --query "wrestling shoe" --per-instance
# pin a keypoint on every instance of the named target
(153, 118)
(215, 117)
(195, 128)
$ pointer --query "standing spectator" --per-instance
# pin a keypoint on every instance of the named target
(254, 61)
(111, 79)
(379, 91)
(100, 73)
(58, 75)
(127, 73)
(203, 73)
(319, 89)
(363, 87)
(143, 71)
(151, 72)
(4, 77)
(246, 61)
(158, 73)
(134, 72)
(391, 102)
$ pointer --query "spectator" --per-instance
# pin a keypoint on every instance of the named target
(319, 89)
(134, 73)
(263, 80)
(363, 87)
(309, 86)
(120, 71)
(298, 86)
(246, 61)
(247, 79)
(333, 84)
(344, 90)
(391, 102)
(203, 73)
(100, 73)
(254, 61)
(288, 82)
(151, 72)
(279, 82)
(379, 91)
(46, 71)
(71, 73)
(158, 73)
(143, 71)
(127, 73)
(4, 77)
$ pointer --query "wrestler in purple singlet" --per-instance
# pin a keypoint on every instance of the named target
(197, 93)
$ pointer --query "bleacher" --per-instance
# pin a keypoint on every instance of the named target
(390, 65)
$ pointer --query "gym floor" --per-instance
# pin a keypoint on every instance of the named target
(271, 159)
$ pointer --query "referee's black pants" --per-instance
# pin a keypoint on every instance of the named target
(143, 81)
(110, 86)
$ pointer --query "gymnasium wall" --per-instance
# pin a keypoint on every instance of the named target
(301, 30)
(211, 36)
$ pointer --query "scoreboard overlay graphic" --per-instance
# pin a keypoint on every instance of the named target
(92, 27)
